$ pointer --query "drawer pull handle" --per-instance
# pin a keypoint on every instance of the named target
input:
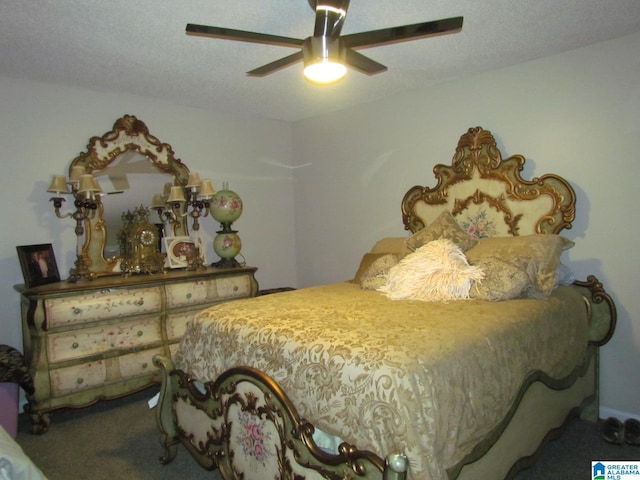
(235, 288)
(80, 381)
(139, 302)
(145, 365)
(76, 310)
(189, 296)
(74, 345)
(140, 333)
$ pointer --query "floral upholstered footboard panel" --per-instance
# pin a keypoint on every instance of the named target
(424, 378)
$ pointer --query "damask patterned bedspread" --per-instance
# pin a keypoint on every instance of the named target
(428, 379)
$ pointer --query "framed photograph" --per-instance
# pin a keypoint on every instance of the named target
(181, 251)
(38, 264)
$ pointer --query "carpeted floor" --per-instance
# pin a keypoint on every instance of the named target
(118, 439)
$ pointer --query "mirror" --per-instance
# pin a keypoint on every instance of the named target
(131, 165)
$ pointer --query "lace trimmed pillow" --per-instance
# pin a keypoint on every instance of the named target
(537, 253)
(435, 272)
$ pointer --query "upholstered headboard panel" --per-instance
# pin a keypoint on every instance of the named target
(487, 195)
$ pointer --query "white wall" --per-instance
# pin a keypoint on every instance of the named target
(46, 126)
(576, 114)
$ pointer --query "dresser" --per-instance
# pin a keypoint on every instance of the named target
(85, 342)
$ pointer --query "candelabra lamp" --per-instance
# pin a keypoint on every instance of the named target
(86, 194)
(194, 199)
(226, 208)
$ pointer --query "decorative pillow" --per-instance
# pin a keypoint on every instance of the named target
(437, 271)
(366, 268)
(538, 252)
(503, 279)
(444, 226)
(375, 275)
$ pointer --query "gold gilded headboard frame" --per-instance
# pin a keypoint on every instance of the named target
(478, 159)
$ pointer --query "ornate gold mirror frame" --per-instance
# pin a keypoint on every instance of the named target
(128, 135)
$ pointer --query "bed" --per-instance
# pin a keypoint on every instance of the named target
(455, 352)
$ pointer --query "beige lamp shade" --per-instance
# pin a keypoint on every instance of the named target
(88, 184)
(58, 185)
(206, 188)
(76, 172)
(194, 180)
(157, 201)
(176, 195)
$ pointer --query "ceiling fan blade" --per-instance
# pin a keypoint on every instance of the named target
(277, 65)
(242, 36)
(403, 33)
(363, 64)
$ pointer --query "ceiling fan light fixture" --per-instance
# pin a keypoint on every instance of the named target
(325, 72)
(324, 60)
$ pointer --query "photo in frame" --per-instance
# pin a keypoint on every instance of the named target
(38, 264)
(181, 251)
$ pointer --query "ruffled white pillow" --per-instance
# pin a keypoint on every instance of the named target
(437, 271)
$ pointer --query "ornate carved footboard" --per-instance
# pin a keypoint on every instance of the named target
(245, 425)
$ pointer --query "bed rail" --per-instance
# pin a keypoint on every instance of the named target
(246, 426)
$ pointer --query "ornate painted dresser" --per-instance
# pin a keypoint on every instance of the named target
(85, 342)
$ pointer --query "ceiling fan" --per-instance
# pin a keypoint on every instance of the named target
(327, 48)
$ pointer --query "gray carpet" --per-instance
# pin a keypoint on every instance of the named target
(118, 439)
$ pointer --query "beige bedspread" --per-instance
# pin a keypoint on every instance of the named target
(428, 379)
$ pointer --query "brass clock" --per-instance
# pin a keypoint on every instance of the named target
(140, 246)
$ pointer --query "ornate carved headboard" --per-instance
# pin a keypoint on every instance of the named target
(487, 195)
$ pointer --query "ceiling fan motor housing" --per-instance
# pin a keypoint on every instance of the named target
(323, 49)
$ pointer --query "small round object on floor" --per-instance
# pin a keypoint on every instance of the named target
(613, 431)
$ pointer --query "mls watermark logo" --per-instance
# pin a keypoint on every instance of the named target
(620, 470)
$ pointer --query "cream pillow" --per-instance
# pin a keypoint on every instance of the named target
(444, 226)
(538, 253)
(437, 271)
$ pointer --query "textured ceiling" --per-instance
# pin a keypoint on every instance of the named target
(140, 46)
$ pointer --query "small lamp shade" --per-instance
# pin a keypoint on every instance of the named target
(76, 172)
(194, 180)
(206, 189)
(176, 195)
(157, 201)
(88, 184)
(96, 186)
(58, 185)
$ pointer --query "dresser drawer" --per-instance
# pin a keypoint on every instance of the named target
(177, 323)
(101, 305)
(207, 291)
(234, 287)
(76, 378)
(190, 293)
(122, 335)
